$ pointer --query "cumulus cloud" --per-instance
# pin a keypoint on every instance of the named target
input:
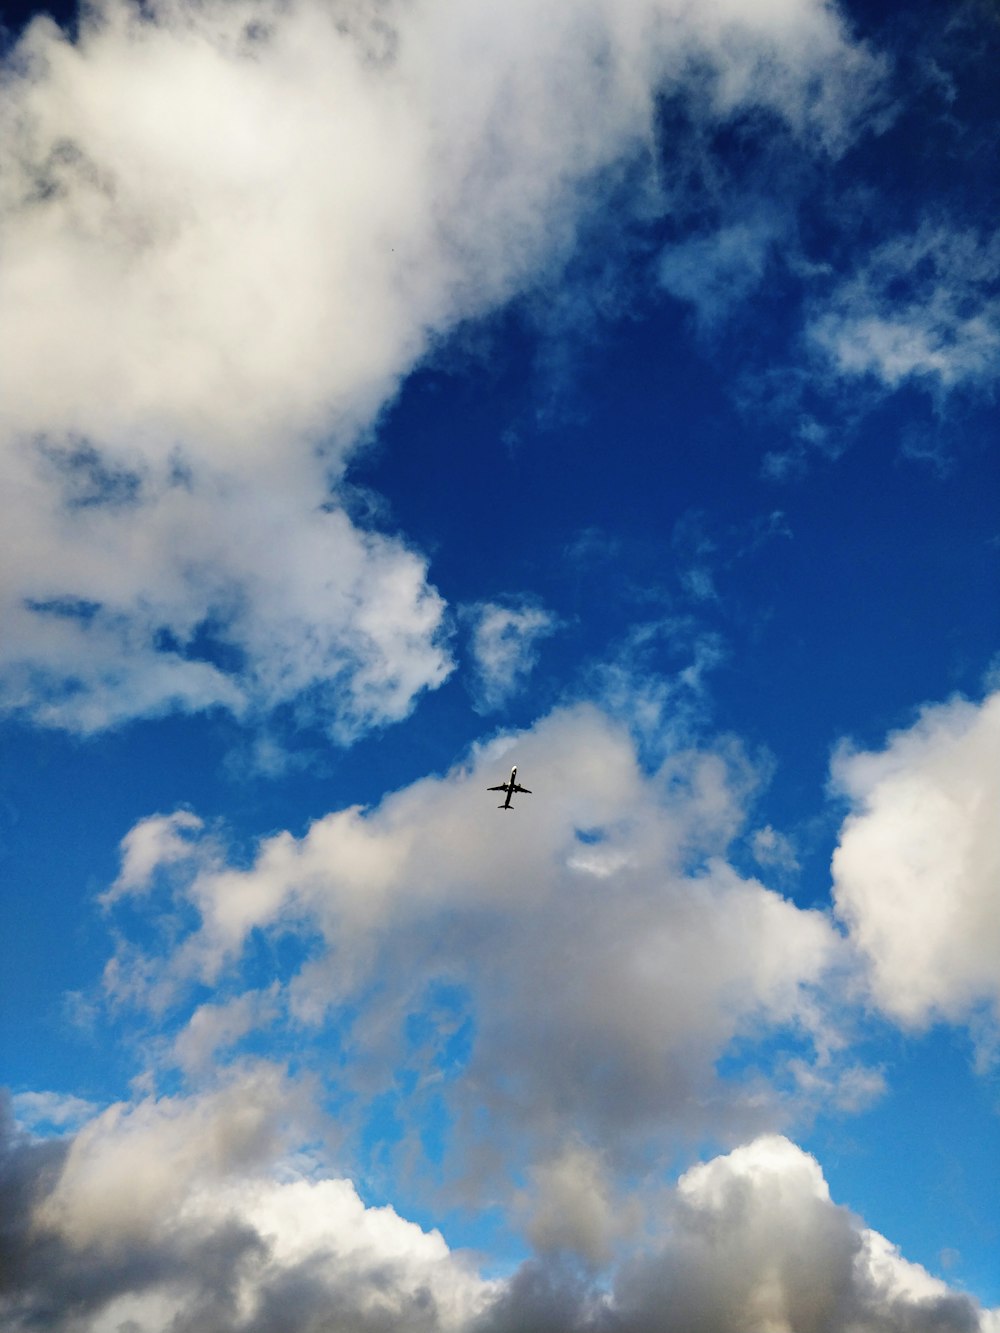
(202, 593)
(153, 1220)
(229, 230)
(918, 863)
(152, 845)
(504, 650)
(747, 1241)
(923, 307)
(133, 1165)
(756, 1243)
(574, 1208)
(581, 978)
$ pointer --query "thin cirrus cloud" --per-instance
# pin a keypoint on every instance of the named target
(714, 273)
(229, 231)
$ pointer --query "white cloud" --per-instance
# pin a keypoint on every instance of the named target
(503, 644)
(755, 1243)
(923, 307)
(229, 229)
(601, 950)
(179, 1214)
(150, 845)
(918, 863)
(209, 1237)
(381, 1269)
(130, 1169)
(115, 611)
(216, 1027)
(61, 1110)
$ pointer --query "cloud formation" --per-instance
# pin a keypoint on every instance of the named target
(550, 1011)
(923, 307)
(229, 230)
(748, 1241)
(504, 647)
(172, 1215)
(756, 1243)
(206, 592)
(918, 863)
(518, 984)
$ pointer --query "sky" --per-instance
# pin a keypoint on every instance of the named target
(396, 391)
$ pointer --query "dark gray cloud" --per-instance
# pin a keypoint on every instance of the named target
(746, 1243)
(47, 1282)
(751, 1242)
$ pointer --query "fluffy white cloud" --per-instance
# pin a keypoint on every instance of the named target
(756, 1244)
(149, 846)
(251, 214)
(198, 592)
(178, 1214)
(748, 1241)
(228, 230)
(594, 946)
(917, 869)
(130, 1169)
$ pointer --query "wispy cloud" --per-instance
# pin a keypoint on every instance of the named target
(45, 1111)
(504, 646)
(717, 271)
(922, 307)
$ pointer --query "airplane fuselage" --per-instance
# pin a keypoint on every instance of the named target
(510, 788)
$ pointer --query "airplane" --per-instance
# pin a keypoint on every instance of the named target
(510, 788)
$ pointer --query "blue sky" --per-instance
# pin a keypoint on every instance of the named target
(392, 394)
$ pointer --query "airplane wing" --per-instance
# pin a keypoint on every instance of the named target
(526, 790)
(503, 787)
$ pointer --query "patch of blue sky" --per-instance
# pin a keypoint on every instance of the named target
(440, 1029)
(919, 1163)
